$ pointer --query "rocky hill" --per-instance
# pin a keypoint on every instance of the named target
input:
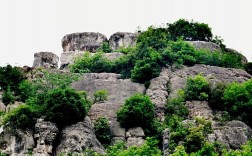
(46, 138)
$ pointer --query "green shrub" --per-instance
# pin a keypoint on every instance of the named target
(248, 68)
(176, 106)
(11, 76)
(237, 101)
(104, 48)
(149, 148)
(138, 110)
(191, 31)
(102, 131)
(8, 96)
(23, 117)
(197, 88)
(230, 60)
(64, 107)
(144, 70)
(215, 97)
(100, 95)
(95, 64)
(26, 90)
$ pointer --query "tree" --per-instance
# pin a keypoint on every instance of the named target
(190, 31)
(138, 110)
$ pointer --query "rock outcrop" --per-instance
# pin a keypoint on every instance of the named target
(86, 41)
(77, 138)
(135, 137)
(205, 45)
(122, 39)
(45, 135)
(69, 57)
(166, 141)
(199, 109)
(232, 51)
(16, 142)
(45, 60)
(233, 135)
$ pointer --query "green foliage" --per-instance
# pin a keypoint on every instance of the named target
(191, 31)
(138, 110)
(105, 48)
(102, 131)
(238, 101)
(23, 117)
(179, 151)
(64, 107)
(8, 96)
(100, 95)
(10, 76)
(248, 68)
(218, 40)
(26, 90)
(149, 148)
(197, 88)
(53, 80)
(95, 64)
(246, 150)
(230, 60)
(208, 149)
(145, 70)
(215, 97)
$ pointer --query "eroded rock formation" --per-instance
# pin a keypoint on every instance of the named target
(86, 41)
(122, 39)
(45, 60)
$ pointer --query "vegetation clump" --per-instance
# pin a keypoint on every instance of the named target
(102, 131)
(138, 110)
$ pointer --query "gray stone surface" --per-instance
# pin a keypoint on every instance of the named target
(45, 135)
(45, 60)
(233, 135)
(199, 109)
(118, 90)
(122, 39)
(214, 74)
(76, 138)
(135, 132)
(166, 141)
(86, 41)
(158, 92)
(134, 141)
(116, 130)
(2, 106)
(205, 45)
(17, 143)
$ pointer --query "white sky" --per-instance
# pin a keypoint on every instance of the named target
(29, 26)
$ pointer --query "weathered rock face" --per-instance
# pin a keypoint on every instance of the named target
(122, 39)
(166, 141)
(232, 51)
(2, 106)
(212, 73)
(234, 134)
(205, 45)
(199, 109)
(171, 80)
(77, 138)
(69, 57)
(135, 136)
(118, 90)
(16, 142)
(86, 41)
(45, 60)
(45, 135)
(158, 92)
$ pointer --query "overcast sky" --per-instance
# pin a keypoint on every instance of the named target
(29, 26)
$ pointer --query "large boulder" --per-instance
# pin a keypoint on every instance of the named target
(77, 138)
(122, 39)
(45, 135)
(232, 51)
(69, 57)
(205, 45)
(86, 41)
(233, 135)
(118, 90)
(45, 60)
(16, 142)
(199, 109)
